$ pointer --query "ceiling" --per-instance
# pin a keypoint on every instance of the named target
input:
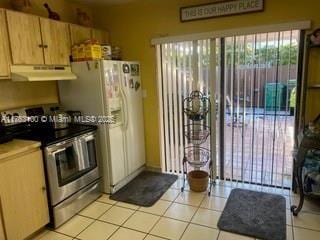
(114, 2)
(100, 2)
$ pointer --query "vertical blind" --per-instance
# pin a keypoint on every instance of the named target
(249, 79)
(260, 76)
(182, 68)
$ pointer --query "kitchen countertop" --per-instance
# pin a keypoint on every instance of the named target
(16, 146)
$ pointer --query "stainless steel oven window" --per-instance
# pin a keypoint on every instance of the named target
(75, 160)
(70, 170)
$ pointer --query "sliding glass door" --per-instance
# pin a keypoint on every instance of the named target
(252, 81)
(183, 67)
(260, 79)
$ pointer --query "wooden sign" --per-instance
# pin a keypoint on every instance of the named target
(220, 9)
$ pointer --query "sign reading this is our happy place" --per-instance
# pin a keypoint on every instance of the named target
(219, 9)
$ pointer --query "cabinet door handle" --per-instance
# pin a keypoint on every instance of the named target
(40, 45)
(44, 189)
(45, 46)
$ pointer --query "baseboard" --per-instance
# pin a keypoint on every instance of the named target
(153, 169)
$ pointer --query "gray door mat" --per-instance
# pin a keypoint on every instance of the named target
(146, 189)
(255, 214)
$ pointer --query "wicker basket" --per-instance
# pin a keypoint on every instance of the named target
(198, 180)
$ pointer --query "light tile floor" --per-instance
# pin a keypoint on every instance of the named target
(177, 216)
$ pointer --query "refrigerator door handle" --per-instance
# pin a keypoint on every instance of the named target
(125, 109)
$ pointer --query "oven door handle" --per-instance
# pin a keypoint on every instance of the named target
(59, 151)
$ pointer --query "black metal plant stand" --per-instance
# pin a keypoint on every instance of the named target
(197, 130)
(309, 141)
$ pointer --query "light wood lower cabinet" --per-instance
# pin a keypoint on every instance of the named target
(2, 234)
(4, 47)
(23, 195)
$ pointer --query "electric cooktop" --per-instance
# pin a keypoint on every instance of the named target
(37, 130)
(49, 136)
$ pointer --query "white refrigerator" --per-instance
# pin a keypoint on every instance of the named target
(107, 89)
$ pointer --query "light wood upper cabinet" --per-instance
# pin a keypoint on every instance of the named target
(23, 194)
(100, 35)
(35, 40)
(79, 34)
(56, 42)
(4, 46)
(25, 38)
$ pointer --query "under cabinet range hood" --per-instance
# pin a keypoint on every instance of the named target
(23, 73)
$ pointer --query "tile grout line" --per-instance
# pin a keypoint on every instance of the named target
(135, 211)
(308, 212)
(138, 210)
(161, 216)
(209, 209)
(218, 234)
(306, 229)
(118, 227)
(171, 203)
(292, 232)
(121, 226)
(303, 210)
(192, 217)
(248, 188)
(57, 233)
(95, 219)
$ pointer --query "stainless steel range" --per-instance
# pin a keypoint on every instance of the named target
(73, 175)
(70, 161)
